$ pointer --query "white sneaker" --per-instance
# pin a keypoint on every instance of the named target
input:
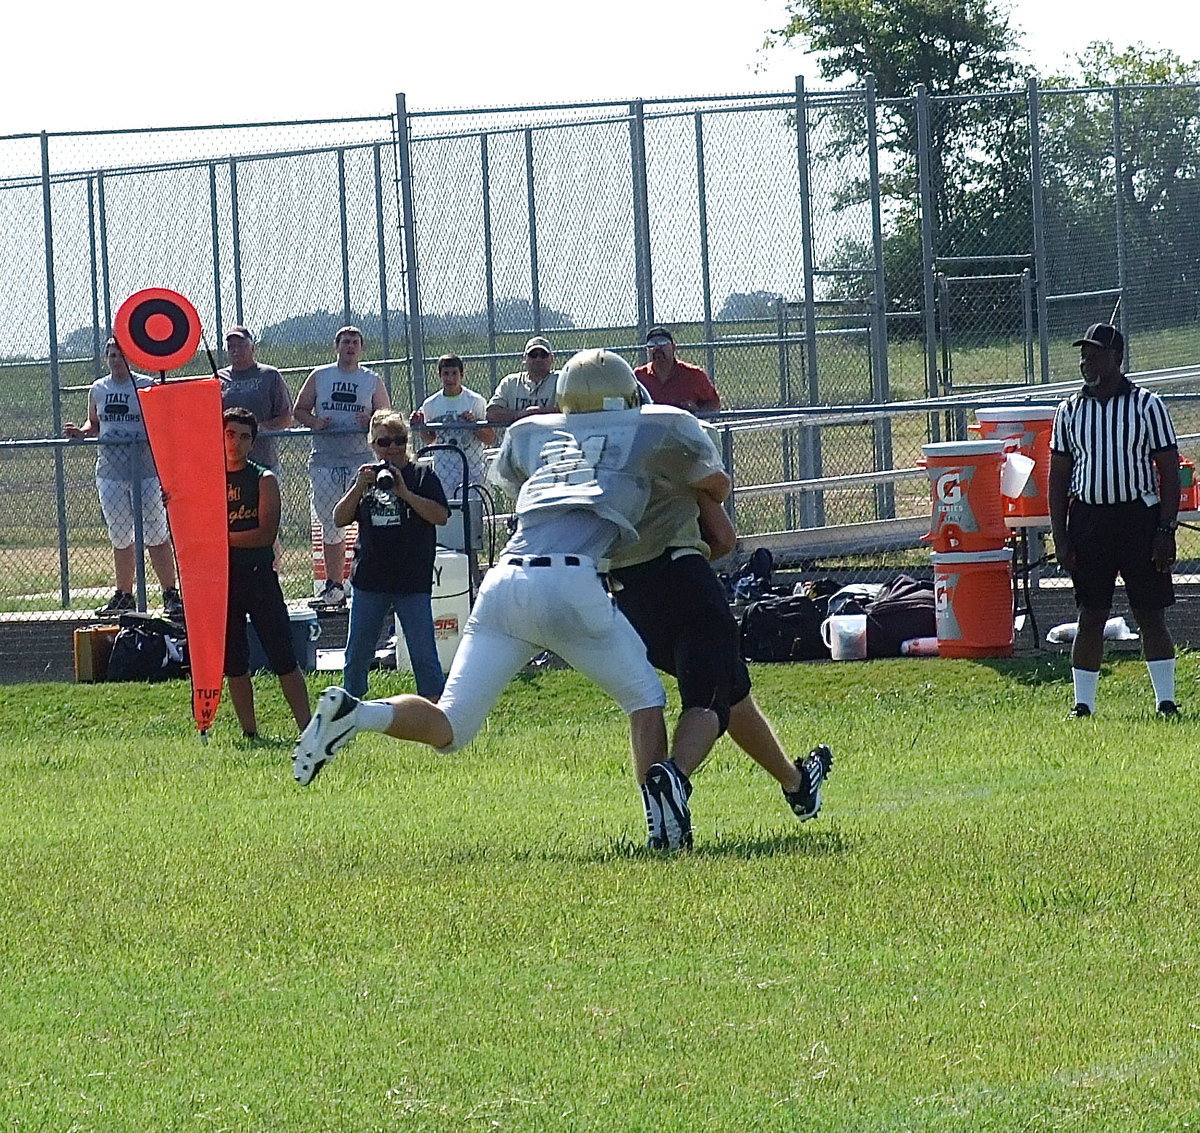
(333, 595)
(332, 727)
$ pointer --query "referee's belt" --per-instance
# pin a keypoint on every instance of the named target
(546, 561)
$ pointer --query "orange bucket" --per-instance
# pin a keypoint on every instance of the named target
(1031, 425)
(973, 603)
(968, 511)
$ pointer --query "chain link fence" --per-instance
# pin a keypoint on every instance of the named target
(809, 249)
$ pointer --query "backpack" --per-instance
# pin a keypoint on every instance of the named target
(783, 628)
(903, 609)
(753, 579)
(147, 648)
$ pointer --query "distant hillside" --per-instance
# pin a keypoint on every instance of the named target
(512, 316)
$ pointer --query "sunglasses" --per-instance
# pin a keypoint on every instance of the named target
(538, 354)
(390, 442)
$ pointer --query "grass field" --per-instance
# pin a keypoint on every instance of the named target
(991, 926)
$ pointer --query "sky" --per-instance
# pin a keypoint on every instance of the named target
(137, 63)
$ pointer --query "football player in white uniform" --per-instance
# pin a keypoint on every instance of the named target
(582, 480)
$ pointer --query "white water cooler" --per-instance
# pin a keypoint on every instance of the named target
(451, 607)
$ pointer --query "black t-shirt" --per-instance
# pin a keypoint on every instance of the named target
(395, 548)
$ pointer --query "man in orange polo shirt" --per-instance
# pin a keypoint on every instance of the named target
(672, 382)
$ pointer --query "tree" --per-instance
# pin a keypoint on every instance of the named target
(951, 46)
(1156, 173)
(749, 305)
(978, 151)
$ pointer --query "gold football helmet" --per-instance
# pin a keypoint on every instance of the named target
(593, 380)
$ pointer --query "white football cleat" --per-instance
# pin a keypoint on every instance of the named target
(668, 817)
(331, 728)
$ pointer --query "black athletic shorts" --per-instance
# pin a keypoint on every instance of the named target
(680, 611)
(1112, 539)
(254, 590)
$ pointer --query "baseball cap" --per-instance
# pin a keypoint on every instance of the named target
(659, 332)
(1104, 335)
(538, 343)
(238, 332)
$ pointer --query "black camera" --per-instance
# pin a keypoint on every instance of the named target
(385, 479)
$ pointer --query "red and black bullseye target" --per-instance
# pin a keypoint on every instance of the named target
(157, 329)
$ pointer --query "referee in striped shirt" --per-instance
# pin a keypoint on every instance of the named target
(1114, 496)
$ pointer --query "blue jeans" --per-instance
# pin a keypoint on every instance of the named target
(368, 611)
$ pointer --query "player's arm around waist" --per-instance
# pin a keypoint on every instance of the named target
(716, 528)
(716, 485)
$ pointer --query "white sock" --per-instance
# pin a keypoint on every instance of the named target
(1085, 682)
(1162, 677)
(373, 715)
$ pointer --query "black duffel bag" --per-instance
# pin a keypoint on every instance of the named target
(147, 648)
(783, 628)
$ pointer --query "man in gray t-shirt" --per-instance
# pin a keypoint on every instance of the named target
(247, 384)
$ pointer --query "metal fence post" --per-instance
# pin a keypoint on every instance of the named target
(1037, 204)
(535, 291)
(787, 437)
(885, 491)
(489, 262)
(933, 383)
(93, 275)
(137, 472)
(215, 220)
(105, 280)
(812, 504)
(416, 338)
(1119, 165)
(1027, 317)
(381, 258)
(236, 234)
(727, 460)
(705, 278)
(641, 217)
(344, 229)
(60, 485)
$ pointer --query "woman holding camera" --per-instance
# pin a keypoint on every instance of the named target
(396, 503)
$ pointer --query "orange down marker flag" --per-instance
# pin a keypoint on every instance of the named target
(183, 422)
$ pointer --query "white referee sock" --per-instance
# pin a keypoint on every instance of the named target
(1085, 682)
(1162, 677)
(373, 715)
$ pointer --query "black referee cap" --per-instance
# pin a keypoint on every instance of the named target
(1104, 335)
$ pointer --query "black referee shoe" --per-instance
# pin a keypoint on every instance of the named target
(1169, 709)
(1079, 712)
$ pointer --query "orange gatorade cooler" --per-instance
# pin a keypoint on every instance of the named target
(973, 603)
(1031, 425)
(968, 512)
(1189, 491)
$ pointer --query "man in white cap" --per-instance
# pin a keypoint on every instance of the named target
(531, 391)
